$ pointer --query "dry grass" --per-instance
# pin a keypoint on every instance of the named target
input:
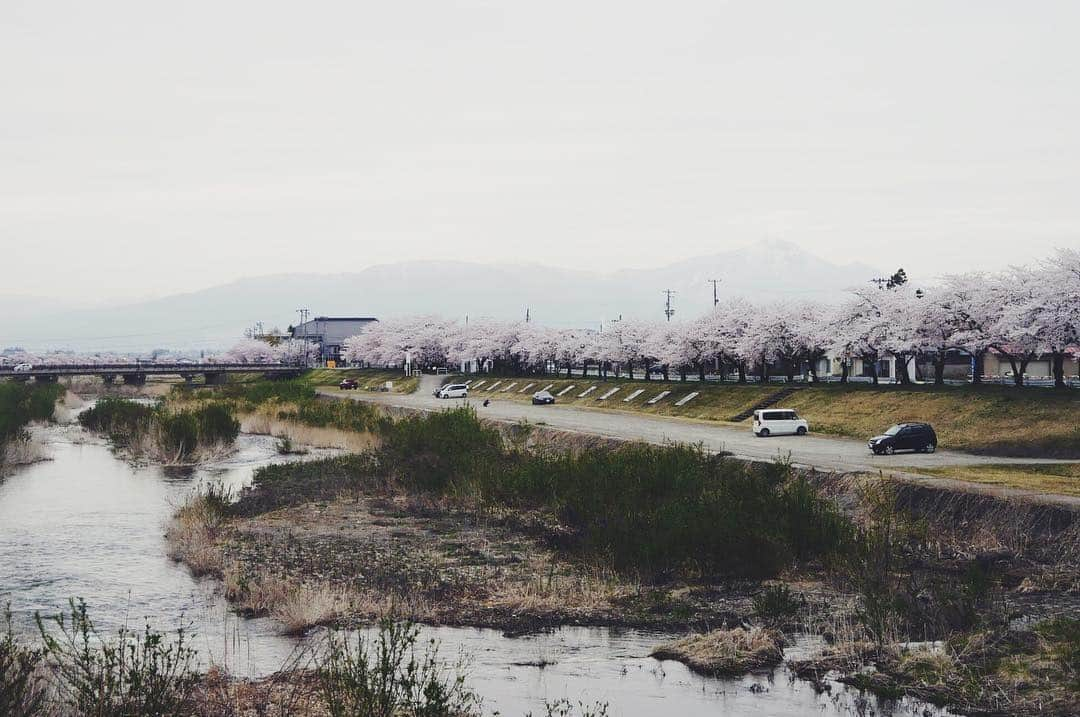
(560, 590)
(265, 421)
(21, 450)
(151, 446)
(1058, 478)
(193, 532)
(725, 652)
(297, 605)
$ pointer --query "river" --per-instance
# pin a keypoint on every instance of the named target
(87, 524)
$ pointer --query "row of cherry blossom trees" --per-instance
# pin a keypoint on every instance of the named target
(1020, 314)
(292, 351)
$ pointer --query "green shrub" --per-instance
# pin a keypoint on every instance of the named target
(775, 603)
(382, 677)
(21, 403)
(22, 688)
(216, 424)
(134, 674)
(122, 420)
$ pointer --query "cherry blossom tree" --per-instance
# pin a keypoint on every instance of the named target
(297, 352)
(250, 351)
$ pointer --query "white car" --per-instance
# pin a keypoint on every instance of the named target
(778, 422)
(453, 390)
(22, 368)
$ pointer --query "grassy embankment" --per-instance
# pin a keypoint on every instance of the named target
(20, 405)
(1059, 478)
(369, 379)
(993, 420)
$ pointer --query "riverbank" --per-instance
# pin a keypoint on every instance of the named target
(351, 541)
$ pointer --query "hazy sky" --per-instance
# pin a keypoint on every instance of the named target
(150, 147)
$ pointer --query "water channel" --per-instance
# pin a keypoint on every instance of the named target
(85, 523)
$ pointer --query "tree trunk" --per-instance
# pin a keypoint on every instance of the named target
(939, 369)
(844, 368)
(1059, 369)
(666, 373)
(630, 369)
(873, 371)
(977, 367)
(900, 370)
(764, 370)
(742, 371)
(647, 367)
(701, 372)
(1018, 369)
(682, 373)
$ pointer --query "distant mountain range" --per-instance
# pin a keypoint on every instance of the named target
(216, 317)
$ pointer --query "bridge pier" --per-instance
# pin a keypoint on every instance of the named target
(46, 378)
(135, 379)
(215, 378)
(108, 378)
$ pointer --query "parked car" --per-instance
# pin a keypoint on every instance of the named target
(778, 421)
(453, 390)
(656, 370)
(542, 398)
(348, 384)
(22, 368)
(905, 437)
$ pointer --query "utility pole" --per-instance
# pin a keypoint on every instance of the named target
(303, 320)
(526, 314)
(715, 299)
(668, 311)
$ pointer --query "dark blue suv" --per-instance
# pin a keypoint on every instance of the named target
(905, 437)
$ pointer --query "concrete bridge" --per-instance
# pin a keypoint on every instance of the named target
(136, 373)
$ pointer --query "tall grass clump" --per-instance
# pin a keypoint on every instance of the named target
(22, 403)
(196, 525)
(171, 435)
(137, 673)
(22, 683)
(385, 677)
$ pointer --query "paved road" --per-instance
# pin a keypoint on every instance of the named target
(825, 453)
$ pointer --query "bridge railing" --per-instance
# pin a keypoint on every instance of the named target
(151, 367)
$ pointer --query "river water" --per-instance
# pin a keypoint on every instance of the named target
(87, 524)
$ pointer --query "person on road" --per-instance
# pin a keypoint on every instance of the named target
(487, 402)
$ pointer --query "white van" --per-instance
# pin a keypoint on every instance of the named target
(778, 422)
(453, 390)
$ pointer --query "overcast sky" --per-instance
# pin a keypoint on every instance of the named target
(149, 147)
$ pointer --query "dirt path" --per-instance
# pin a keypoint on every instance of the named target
(820, 452)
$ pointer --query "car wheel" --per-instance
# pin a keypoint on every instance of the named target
(800, 431)
(764, 433)
(889, 450)
(930, 448)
